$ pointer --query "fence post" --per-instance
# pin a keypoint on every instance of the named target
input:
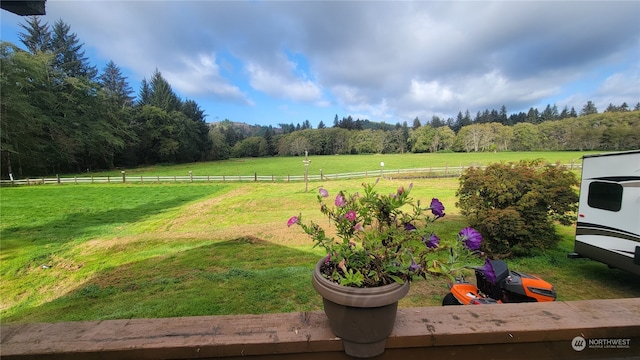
(255, 176)
(124, 176)
(190, 176)
(108, 179)
(321, 175)
(58, 178)
(288, 177)
(75, 179)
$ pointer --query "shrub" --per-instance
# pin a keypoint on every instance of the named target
(515, 205)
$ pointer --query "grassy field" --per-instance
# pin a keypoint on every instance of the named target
(111, 251)
(332, 164)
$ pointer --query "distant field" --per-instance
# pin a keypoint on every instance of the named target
(332, 164)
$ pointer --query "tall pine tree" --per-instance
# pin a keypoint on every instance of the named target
(37, 38)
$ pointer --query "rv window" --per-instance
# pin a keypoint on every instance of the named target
(604, 195)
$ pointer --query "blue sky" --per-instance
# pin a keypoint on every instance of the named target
(271, 62)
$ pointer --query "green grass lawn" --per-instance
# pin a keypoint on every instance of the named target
(110, 251)
(337, 164)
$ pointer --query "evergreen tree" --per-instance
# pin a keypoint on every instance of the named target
(69, 56)
(533, 116)
(416, 123)
(115, 85)
(588, 109)
(202, 141)
(37, 38)
(550, 113)
(502, 116)
(144, 95)
(161, 93)
(321, 125)
(436, 121)
(573, 113)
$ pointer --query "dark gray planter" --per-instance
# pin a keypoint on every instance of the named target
(362, 317)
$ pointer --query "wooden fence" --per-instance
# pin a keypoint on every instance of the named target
(430, 172)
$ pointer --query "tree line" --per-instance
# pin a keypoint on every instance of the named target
(60, 114)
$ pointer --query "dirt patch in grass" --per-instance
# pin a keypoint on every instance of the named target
(196, 211)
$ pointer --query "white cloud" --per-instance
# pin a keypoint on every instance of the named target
(283, 85)
(379, 59)
(201, 75)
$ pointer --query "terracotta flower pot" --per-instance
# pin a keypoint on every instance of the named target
(362, 317)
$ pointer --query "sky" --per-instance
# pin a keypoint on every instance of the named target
(272, 62)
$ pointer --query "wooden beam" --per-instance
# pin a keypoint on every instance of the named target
(24, 7)
(505, 331)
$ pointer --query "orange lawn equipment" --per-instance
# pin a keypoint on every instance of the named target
(508, 287)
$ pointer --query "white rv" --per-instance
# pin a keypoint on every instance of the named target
(608, 228)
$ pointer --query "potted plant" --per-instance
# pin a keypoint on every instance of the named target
(383, 242)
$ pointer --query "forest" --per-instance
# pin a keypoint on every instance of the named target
(60, 114)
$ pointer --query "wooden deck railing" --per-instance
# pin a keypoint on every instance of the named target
(591, 329)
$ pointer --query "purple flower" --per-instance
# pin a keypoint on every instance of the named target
(358, 227)
(471, 238)
(323, 192)
(327, 259)
(293, 220)
(340, 201)
(409, 227)
(414, 266)
(400, 190)
(437, 208)
(487, 270)
(350, 215)
(433, 241)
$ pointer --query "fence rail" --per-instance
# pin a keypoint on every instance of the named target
(430, 172)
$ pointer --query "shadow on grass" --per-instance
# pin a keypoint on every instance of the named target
(90, 224)
(241, 276)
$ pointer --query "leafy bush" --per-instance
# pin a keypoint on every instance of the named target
(515, 205)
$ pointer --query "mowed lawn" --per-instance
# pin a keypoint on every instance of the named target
(338, 164)
(109, 251)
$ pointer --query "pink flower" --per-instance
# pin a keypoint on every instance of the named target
(350, 215)
(358, 227)
(323, 192)
(340, 201)
(293, 220)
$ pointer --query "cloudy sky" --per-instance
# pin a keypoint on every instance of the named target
(270, 62)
